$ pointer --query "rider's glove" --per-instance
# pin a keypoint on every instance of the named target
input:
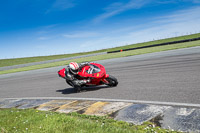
(86, 81)
(84, 63)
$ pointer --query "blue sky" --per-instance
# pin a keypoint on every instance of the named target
(47, 27)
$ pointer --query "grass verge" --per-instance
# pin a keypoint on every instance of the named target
(17, 61)
(10, 62)
(156, 42)
(108, 56)
(34, 121)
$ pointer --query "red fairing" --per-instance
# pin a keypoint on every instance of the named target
(107, 75)
(96, 77)
(84, 71)
(95, 72)
(61, 73)
(91, 74)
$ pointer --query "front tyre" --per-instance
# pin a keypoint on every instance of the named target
(112, 81)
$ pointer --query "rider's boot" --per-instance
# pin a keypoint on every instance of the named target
(79, 83)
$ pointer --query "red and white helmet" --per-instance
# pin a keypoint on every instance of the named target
(74, 67)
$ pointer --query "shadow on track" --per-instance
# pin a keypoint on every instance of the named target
(84, 89)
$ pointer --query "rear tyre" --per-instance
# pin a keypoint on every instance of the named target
(112, 81)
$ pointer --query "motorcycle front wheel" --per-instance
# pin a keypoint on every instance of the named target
(112, 81)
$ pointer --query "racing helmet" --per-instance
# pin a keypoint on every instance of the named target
(73, 67)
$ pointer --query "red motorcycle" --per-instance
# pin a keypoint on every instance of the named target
(93, 71)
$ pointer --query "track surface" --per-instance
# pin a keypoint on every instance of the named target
(170, 76)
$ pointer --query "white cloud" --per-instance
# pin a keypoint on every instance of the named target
(196, 1)
(117, 8)
(97, 42)
(61, 5)
(179, 23)
(193, 1)
(82, 34)
(43, 38)
(191, 14)
(176, 24)
(176, 1)
(165, 2)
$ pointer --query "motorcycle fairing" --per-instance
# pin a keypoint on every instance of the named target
(93, 70)
(61, 73)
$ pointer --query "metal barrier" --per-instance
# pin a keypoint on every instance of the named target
(154, 45)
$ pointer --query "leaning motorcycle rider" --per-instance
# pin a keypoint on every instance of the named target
(72, 73)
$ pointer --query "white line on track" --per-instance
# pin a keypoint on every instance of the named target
(116, 100)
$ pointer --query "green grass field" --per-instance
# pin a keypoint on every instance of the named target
(17, 61)
(156, 42)
(34, 121)
(10, 62)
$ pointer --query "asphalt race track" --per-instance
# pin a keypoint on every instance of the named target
(170, 76)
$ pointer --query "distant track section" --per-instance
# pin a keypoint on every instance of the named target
(88, 55)
(154, 45)
(48, 61)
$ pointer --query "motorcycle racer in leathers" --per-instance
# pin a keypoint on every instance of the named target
(72, 72)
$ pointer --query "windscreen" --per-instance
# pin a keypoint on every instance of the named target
(93, 69)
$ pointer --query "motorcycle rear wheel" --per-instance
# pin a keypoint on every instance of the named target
(112, 81)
